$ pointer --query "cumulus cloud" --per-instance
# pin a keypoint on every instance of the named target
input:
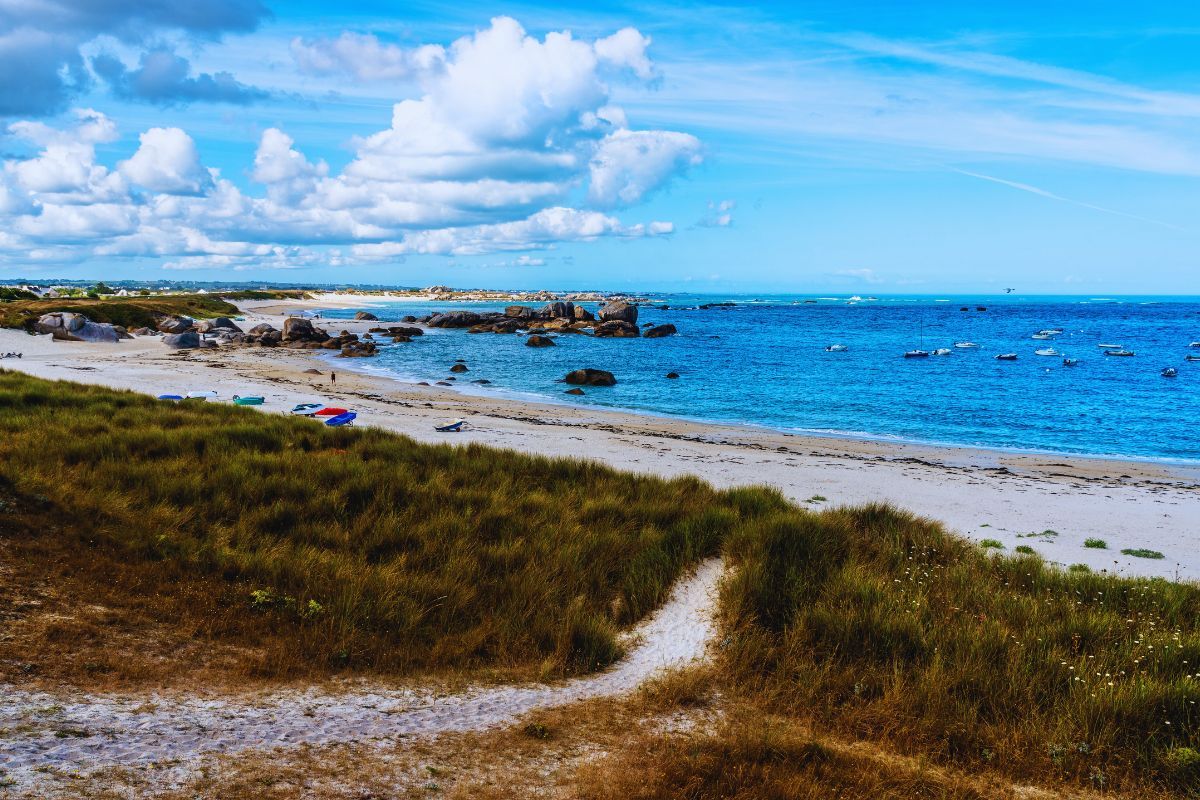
(364, 57)
(41, 42)
(513, 144)
(167, 162)
(164, 78)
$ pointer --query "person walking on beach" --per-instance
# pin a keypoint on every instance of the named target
(332, 378)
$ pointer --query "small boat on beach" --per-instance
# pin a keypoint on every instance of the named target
(965, 345)
(1006, 357)
(917, 354)
(1046, 351)
(1122, 352)
(328, 411)
(836, 348)
(345, 418)
(206, 395)
(175, 397)
(1170, 372)
(248, 400)
(307, 409)
(452, 427)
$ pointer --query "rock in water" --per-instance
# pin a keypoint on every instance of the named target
(659, 331)
(590, 377)
(576, 390)
(558, 309)
(182, 341)
(583, 315)
(454, 319)
(616, 329)
(539, 341)
(366, 316)
(619, 310)
(672, 375)
(459, 368)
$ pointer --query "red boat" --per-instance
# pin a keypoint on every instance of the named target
(331, 412)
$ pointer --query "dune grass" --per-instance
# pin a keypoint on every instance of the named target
(359, 548)
(131, 312)
(362, 550)
(879, 625)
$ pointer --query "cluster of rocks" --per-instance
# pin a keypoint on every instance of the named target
(398, 333)
(301, 334)
(616, 320)
(70, 327)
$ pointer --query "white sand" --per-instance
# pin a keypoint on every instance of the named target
(44, 734)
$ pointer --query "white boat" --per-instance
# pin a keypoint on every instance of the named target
(1041, 336)
(942, 351)
(1194, 344)
(1051, 331)
(1046, 351)
(1121, 352)
(1111, 347)
(965, 345)
(836, 348)
(307, 409)
(208, 395)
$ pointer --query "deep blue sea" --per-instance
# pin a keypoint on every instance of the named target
(763, 362)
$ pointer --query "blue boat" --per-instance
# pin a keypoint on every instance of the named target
(453, 427)
(170, 397)
(341, 419)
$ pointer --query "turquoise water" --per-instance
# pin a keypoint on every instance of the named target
(763, 362)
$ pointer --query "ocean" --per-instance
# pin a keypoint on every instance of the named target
(762, 361)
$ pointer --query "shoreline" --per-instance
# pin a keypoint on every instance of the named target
(980, 493)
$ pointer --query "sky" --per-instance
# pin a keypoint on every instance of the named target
(823, 147)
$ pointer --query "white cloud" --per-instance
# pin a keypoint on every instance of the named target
(720, 215)
(509, 134)
(629, 164)
(365, 57)
(167, 162)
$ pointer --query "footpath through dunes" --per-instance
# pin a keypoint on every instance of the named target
(81, 733)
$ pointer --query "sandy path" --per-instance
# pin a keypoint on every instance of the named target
(44, 733)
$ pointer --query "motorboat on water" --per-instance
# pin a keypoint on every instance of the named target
(942, 351)
(1046, 351)
(1006, 357)
(1193, 358)
(1070, 362)
(1111, 347)
(1170, 372)
(836, 348)
(917, 354)
(965, 345)
(1050, 331)
(1041, 336)
(1194, 344)
(1122, 352)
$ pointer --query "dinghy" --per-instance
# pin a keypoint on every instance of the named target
(331, 412)
(1170, 372)
(341, 419)
(453, 427)
(248, 400)
(1193, 358)
(207, 395)
(1111, 347)
(170, 397)
(1046, 351)
(836, 348)
(942, 351)
(965, 345)
(1123, 353)
(1070, 362)
(307, 409)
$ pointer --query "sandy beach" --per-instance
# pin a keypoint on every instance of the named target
(1051, 503)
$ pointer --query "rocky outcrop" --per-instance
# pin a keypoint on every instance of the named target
(659, 331)
(175, 324)
(520, 312)
(366, 316)
(297, 329)
(558, 310)
(672, 375)
(182, 341)
(539, 341)
(459, 368)
(357, 350)
(142, 332)
(590, 377)
(402, 330)
(619, 310)
(454, 319)
(70, 327)
(259, 330)
(218, 324)
(616, 329)
(583, 315)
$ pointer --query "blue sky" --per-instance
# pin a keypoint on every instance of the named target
(913, 147)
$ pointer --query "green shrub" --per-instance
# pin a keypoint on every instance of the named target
(993, 544)
(1141, 552)
(1096, 544)
(1026, 549)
